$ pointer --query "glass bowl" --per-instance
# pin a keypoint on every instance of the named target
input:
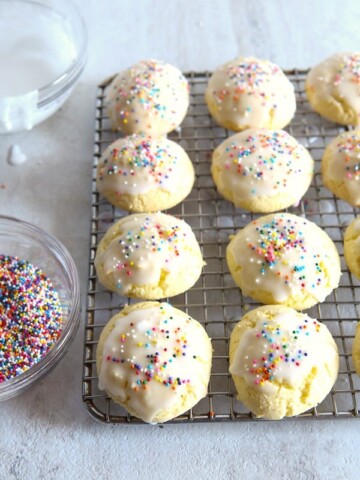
(27, 242)
(43, 44)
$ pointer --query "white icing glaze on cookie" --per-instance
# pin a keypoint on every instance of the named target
(343, 164)
(285, 255)
(249, 92)
(282, 350)
(262, 163)
(149, 97)
(138, 164)
(148, 245)
(338, 77)
(152, 357)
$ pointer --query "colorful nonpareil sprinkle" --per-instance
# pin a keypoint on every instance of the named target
(349, 146)
(277, 240)
(350, 67)
(137, 90)
(250, 77)
(157, 348)
(149, 237)
(135, 157)
(281, 349)
(263, 153)
(30, 316)
(149, 256)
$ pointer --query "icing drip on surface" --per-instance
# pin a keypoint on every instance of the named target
(16, 156)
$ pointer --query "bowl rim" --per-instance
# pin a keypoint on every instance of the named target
(74, 70)
(15, 385)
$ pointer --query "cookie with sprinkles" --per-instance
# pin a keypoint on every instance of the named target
(262, 170)
(141, 173)
(282, 362)
(149, 97)
(154, 360)
(284, 259)
(30, 316)
(149, 256)
(340, 167)
(333, 88)
(250, 93)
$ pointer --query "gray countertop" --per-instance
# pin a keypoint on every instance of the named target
(47, 433)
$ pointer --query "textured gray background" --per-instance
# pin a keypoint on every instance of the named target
(46, 432)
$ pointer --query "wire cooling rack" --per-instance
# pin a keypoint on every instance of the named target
(215, 300)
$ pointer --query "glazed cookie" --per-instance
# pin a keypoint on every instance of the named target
(282, 362)
(154, 360)
(333, 88)
(144, 174)
(284, 259)
(250, 93)
(356, 350)
(262, 170)
(149, 97)
(149, 256)
(352, 247)
(341, 167)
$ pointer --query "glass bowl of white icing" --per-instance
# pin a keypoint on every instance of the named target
(43, 45)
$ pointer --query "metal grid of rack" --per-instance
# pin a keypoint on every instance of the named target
(215, 300)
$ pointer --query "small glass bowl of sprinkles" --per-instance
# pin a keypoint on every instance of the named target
(39, 304)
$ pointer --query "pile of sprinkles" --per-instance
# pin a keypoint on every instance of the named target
(163, 346)
(274, 240)
(30, 316)
(269, 151)
(280, 348)
(133, 158)
(349, 145)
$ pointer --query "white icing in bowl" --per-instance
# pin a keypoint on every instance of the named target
(43, 46)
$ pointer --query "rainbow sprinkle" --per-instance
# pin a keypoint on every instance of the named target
(349, 145)
(30, 316)
(143, 93)
(278, 348)
(158, 356)
(349, 66)
(147, 154)
(275, 239)
(162, 237)
(250, 77)
(274, 144)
